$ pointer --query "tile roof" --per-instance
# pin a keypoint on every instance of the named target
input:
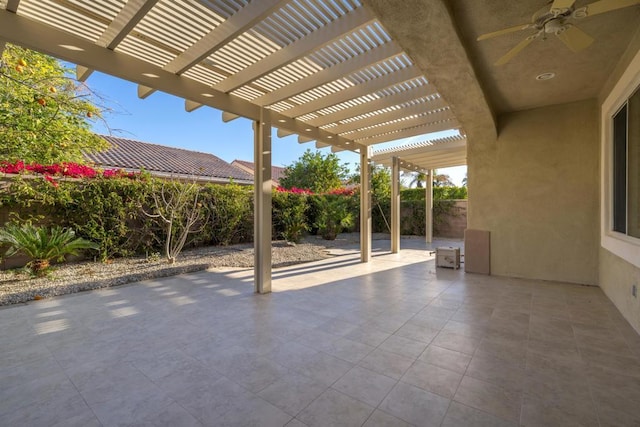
(162, 160)
(277, 172)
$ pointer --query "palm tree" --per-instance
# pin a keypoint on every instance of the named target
(416, 178)
(42, 244)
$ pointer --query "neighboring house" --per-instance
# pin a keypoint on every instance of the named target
(167, 162)
(277, 172)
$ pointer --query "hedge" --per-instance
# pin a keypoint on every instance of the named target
(108, 209)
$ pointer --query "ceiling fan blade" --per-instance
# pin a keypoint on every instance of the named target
(505, 31)
(604, 6)
(575, 38)
(513, 52)
(562, 4)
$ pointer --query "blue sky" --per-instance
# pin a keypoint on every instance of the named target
(161, 119)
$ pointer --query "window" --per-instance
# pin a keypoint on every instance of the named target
(626, 168)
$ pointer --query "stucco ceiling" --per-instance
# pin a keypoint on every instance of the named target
(441, 37)
(513, 86)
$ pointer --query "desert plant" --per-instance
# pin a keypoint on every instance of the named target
(176, 205)
(333, 215)
(42, 244)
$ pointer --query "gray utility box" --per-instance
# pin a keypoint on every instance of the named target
(448, 257)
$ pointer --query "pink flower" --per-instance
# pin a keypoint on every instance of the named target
(51, 180)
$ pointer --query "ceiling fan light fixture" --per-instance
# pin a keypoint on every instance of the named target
(545, 76)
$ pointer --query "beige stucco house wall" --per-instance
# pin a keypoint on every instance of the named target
(619, 258)
(541, 190)
(536, 189)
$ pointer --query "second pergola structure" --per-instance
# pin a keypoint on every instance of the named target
(423, 157)
(325, 70)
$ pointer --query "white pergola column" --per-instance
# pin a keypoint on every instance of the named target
(262, 204)
(395, 205)
(365, 206)
(428, 213)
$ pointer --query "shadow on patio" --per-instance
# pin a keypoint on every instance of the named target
(392, 342)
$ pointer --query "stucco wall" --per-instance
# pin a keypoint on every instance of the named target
(616, 278)
(536, 189)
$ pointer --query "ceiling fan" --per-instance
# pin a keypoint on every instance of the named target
(557, 20)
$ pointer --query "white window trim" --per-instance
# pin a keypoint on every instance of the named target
(626, 247)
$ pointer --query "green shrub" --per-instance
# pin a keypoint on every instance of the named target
(231, 219)
(333, 216)
(289, 220)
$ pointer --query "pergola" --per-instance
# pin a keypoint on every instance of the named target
(325, 70)
(422, 157)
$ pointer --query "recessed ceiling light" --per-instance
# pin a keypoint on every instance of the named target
(308, 129)
(545, 76)
(71, 47)
(347, 143)
(329, 137)
(151, 75)
(282, 121)
(207, 95)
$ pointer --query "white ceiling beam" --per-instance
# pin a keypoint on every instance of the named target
(125, 21)
(144, 91)
(350, 66)
(282, 133)
(375, 105)
(345, 24)
(356, 91)
(419, 148)
(190, 106)
(407, 133)
(386, 127)
(237, 24)
(387, 116)
(12, 5)
(83, 73)
(227, 117)
(131, 13)
(52, 41)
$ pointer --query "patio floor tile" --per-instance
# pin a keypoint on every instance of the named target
(395, 342)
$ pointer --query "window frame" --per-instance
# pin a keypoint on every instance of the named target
(622, 245)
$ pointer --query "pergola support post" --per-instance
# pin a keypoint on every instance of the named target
(429, 207)
(365, 206)
(262, 204)
(395, 205)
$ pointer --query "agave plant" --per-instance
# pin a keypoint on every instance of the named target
(42, 244)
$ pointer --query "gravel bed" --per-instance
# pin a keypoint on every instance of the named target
(16, 286)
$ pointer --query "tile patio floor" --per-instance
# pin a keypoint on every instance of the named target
(391, 343)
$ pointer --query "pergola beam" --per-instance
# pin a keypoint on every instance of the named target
(377, 104)
(44, 38)
(12, 5)
(125, 21)
(397, 113)
(406, 133)
(347, 23)
(356, 91)
(330, 74)
(237, 24)
(190, 106)
(227, 117)
(129, 16)
(387, 127)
